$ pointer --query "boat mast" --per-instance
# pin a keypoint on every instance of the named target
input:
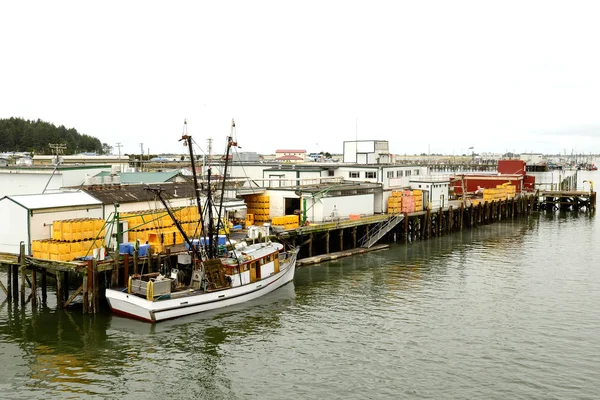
(230, 143)
(188, 142)
(211, 223)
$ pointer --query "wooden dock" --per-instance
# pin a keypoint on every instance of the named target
(326, 241)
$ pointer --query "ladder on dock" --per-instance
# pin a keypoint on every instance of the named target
(380, 230)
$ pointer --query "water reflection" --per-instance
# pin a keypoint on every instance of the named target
(71, 354)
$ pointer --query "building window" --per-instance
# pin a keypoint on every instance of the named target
(408, 173)
(330, 173)
(370, 174)
(399, 174)
(390, 174)
(354, 174)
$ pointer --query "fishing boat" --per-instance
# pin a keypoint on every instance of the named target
(219, 276)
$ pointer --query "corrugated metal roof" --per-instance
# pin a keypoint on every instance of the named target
(53, 200)
(136, 193)
(144, 177)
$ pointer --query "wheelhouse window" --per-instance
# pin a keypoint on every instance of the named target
(354, 174)
(370, 174)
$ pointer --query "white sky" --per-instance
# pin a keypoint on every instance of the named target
(438, 76)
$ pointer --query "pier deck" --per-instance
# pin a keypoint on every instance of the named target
(320, 242)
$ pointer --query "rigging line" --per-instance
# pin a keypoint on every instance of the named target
(246, 174)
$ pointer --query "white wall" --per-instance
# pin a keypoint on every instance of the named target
(18, 227)
(350, 152)
(14, 226)
(434, 190)
(344, 206)
(13, 183)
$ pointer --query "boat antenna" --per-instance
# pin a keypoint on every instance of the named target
(187, 141)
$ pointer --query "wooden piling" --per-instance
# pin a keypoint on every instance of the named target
(59, 290)
(126, 268)
(22, 267)
(9, 283)
(34, 286)
(44, 284)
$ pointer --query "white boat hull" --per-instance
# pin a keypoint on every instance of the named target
(159, 310)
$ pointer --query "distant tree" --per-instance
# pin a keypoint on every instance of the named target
(17, 134)
(106, 149)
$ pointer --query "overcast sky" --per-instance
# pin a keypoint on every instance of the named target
(428, 76)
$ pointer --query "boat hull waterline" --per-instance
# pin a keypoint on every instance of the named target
(140, 308)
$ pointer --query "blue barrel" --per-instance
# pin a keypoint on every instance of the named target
(125, 248)
(144, 250)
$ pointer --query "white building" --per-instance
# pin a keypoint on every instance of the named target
(367, 152)
(435, 190)
(29, 217)
(33, 180)
(324, 202)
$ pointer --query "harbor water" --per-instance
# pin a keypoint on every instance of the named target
(508, 310)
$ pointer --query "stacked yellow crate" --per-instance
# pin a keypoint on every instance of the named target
(418, 194)
(71, 239)
(286, 222)
(511, 191)
(50, 249)
(260, 207)
(495, 194)
(395, 203)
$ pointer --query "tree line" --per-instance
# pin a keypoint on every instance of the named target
(19, 135)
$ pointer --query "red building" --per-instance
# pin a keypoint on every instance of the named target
(509, 171)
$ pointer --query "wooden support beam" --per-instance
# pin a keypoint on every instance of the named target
(15, 282)
(9, 282)
(23, 269)
(44, 286)
(75, 294)
(90, 286)
(126, 268)
(342, 239)
(135, 263)
(84, 293)
(354, 231)
(96, 284)
(327, 242)
(4, 288)
(34, 286)
(406, 232)
(310, 245)
(59, 290)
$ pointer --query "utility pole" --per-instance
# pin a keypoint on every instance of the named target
(118, 146)
(141, 156)
(209, 150)
(57, 150)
